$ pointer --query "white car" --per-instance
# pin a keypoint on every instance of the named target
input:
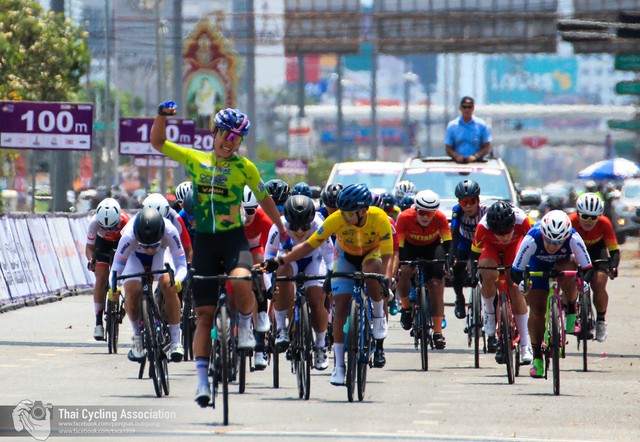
(379, 176)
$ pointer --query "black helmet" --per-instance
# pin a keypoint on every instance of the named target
(148, 226)
(330, 195)
(407, 201)
(500, 217)
(299, 210)
(467, 189)
(301, 189)
(387, 201)
(187, 203)
(279, 191)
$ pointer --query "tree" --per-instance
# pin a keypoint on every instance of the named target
(42, 56)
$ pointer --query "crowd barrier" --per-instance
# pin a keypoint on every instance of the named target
(42, 257)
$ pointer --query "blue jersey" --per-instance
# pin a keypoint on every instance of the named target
(323, 212)
(464, 226)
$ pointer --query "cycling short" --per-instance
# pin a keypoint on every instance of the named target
(104, 251)
(142, 262)
(599, 251)
(492, 251)
(309, 266)
(432, 251)
(257, 250)
(349, 263)
(216, 254)
(538, 283)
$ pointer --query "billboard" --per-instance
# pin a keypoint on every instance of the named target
(530, 79)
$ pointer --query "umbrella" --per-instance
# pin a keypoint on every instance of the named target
(614, 169)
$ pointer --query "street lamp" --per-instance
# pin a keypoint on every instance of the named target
(409, 78)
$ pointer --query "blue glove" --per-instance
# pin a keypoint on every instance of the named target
(287, 242)
(167, 105)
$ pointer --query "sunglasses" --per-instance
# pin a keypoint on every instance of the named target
(467, 202)
(303, 227)
(589, 217)
(554, 242)
(151, 246)
(467, 106)
(228, 135)
(250, 211)
(429, 213)
(112, 228)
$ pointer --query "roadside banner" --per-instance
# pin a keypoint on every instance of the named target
(66, 251)
(28, 259)
(14, 273)
(79, 225)
(46, 254)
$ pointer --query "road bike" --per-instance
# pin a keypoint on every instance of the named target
(300, 350)
(475, 321)
(359, 342)
(156, 339)
(113, 314)
(187, 320)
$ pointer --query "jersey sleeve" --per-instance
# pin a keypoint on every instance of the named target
(175, 152)
(184, 233)
(126, 245)
(328, 228)
(327, 249)
(579, 250)
(477, 245)
(401, 228)
(176, 249)
(386, 237)
(254, 180)
(443, 227)
(525, 252)
(273, 243)
(92, 231)
(609, 235)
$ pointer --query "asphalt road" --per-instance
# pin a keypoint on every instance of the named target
(47, 353)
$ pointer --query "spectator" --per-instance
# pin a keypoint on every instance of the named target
(468, 138)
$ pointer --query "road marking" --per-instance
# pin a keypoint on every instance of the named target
(430, 411)
(426, 422)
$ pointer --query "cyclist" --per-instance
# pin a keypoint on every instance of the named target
(388, 203)
(424, 233)
(403, 188)
(407, 201)
(141, 248)
(597, 232)
(549, 243)
(218, 180)
(160, 203)
(188, 218)
(181, 191)
(257, 226)
(464, 218)
(103, 234)
(500, 231)
(301, 189)
(301, 220)
(279, 191)
(364, 243)
(329, 198)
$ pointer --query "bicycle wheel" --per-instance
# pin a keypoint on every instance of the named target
(505, 338)
(111, 327)
(151, 343)
(364, 356)
(271, 339)
(304, 352)
(556, 334)
(163, 362)
(476, 321)
(186, 321)
(224, 341)
(214, 368)
(586, 318)
(243, 355)
(423, 324)
(352, 347)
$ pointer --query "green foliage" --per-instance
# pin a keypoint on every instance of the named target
(130, 106)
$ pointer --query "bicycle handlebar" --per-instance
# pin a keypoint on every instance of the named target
(255, 276)
(300, 277)
(167, 269)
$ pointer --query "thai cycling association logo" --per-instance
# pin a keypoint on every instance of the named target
(34, 418)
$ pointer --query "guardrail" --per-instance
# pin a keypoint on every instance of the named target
(42, 258)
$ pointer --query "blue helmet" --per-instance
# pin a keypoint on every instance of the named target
(354, 197)
(301, 189)
(407, 201)
(387, 201)
(233, 120)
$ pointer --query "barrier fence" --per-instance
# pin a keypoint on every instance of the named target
(42, 255)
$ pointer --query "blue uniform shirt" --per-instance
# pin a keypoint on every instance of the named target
(467, 138)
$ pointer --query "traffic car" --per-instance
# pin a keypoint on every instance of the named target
(625, 210)
(379, 176)
(442, 174)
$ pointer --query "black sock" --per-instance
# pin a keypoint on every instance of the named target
(380, 344)
(537, 351)
(99, 318)
(600, 316)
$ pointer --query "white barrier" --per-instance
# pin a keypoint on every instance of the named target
(42, 255)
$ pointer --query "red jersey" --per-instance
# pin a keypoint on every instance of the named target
(410, 231)
(603, 230)
(94, 230)
(394, 234)
(257, 232)
(484, 236)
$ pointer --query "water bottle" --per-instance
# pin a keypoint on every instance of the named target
(345, 329)
(444, 322)
(214, 333)
(412, 294)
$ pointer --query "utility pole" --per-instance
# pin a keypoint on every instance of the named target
(340, 121)
(374, 99)
(251, 142)
(162, 182)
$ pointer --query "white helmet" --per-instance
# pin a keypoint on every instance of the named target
(249, 200)
(590, 204)
(556, 226)
(108, 213)
(182, 190)
(427, 200)
(403, 188)
(158, 202)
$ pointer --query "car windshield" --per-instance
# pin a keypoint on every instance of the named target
(443, 180)
(384, 179)
(632, 190)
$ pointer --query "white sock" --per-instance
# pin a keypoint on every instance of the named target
(338, 355)
(521, 323)
(378, 309)
(281, 319)
(174, 331)
(135, 325)
(244, 321)
(320, 339)
(487, 303)
(98, 307)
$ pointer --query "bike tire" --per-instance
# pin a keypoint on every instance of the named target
(556, 334)
(585, 327)
(476, 321)
(224, 340)
(186, 324)
(243, 355)
(305, 352)
(352, 347)
(214, 371)
(364, 357)
(505, 338)
(116, 326)
(163, 360)
(274, 354)
(423, 324)
(109, 325)
(151, 344)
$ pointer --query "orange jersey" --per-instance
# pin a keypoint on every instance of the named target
(484, 236)
(413, 233)
(603, 230)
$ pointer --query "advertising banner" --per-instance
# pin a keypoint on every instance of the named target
(134, 134)
(28, 258)
(46, 254)
(53, 126)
